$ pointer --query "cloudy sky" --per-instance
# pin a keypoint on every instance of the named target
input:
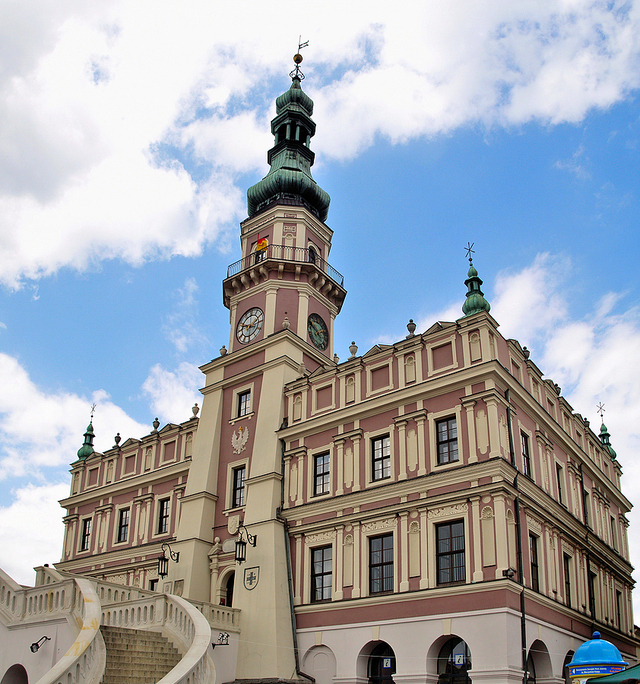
(129, 132)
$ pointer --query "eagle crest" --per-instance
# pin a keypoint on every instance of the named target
(239, 439)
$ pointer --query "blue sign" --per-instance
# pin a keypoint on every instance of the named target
(590, 670)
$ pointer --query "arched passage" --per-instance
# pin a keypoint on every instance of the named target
(376, 662)
(539, 667)
(454, 662)
(16, 674)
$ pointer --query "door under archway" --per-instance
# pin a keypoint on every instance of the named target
(381, 665)
(454, 662)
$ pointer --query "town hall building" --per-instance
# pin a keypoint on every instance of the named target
(432, 510)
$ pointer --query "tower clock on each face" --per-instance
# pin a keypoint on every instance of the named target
(318, 332)
(250, 325)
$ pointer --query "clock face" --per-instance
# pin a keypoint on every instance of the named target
(318, 332)
(250, 325)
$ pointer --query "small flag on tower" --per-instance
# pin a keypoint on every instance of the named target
(261, 245)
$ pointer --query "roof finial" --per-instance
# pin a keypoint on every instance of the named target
(470, 251)
(297, 58)
(600, 407)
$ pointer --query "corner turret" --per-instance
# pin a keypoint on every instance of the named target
(475, 301)
(87, 448)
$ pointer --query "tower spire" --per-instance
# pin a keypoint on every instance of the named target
(289, 180)
(475, 301)
(87, 448)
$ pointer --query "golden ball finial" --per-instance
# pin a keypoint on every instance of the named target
(297, 58)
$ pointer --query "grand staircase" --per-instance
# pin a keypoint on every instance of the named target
(136, 656)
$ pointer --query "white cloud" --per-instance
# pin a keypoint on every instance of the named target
(180, 326)
(94, 94)
(41, 430)
(173, 393)
(31, 529)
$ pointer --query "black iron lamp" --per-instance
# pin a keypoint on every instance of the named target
(37, 645)
(241, 544)
(163, 561)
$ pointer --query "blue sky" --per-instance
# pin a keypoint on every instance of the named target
(131, 131)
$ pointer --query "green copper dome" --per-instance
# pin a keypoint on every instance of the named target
(87, 448)
(604, 438)
(475, 301)
(289, 180)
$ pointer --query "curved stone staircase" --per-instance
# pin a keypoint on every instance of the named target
(136, 656)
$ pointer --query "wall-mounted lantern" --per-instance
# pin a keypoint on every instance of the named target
(241, 544)
(163, 561)
(37, 645)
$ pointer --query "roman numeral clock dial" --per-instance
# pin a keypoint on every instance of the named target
(250, 325)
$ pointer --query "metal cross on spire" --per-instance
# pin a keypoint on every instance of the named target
(297, 58)
(470, 250)
(601, 409)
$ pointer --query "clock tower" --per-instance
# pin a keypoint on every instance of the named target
(284, 279)
(283, 297)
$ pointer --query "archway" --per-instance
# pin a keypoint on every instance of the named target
(565, 670)
(320, 663)
(16, 674)
(226, 589)
(539, 667)
(454, 662)
(382, 664)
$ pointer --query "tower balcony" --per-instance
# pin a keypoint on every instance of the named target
(273, 262)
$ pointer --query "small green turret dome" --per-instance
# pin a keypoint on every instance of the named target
(87, 448)
(606, 443)
(475, 301)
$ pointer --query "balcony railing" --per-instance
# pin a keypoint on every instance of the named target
(289, 254)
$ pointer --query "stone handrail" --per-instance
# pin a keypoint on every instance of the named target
(84, 662)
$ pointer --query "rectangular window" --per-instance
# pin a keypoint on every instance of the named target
(321, 575)
(123, 525)
(381, 447)
(533, 557)
(560, 478)
(321, 474)
(450, 559)
(237, 494)
(593, 577)
(244, 403)
(614, 538)
(618, 609)
(447, 432)
(566, 560)
(526, 456)
(153, 585)
(85, 540)
(163, 516)
(381, 564)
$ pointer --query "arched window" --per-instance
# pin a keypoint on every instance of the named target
(454, 662)
(313, 255)
(382, 664)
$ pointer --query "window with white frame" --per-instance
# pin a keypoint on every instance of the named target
(450, 552)
(381, 457)
(321, 474)
(447, 436)
(321, 573)
(85, 537)
(123, 525)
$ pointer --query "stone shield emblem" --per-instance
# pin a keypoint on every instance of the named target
(251, 577)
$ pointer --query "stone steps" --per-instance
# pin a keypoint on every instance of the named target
(135, 656)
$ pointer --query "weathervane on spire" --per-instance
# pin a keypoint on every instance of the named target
(600, 408)
(93, 410)
(470, 250)
(297, 58)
